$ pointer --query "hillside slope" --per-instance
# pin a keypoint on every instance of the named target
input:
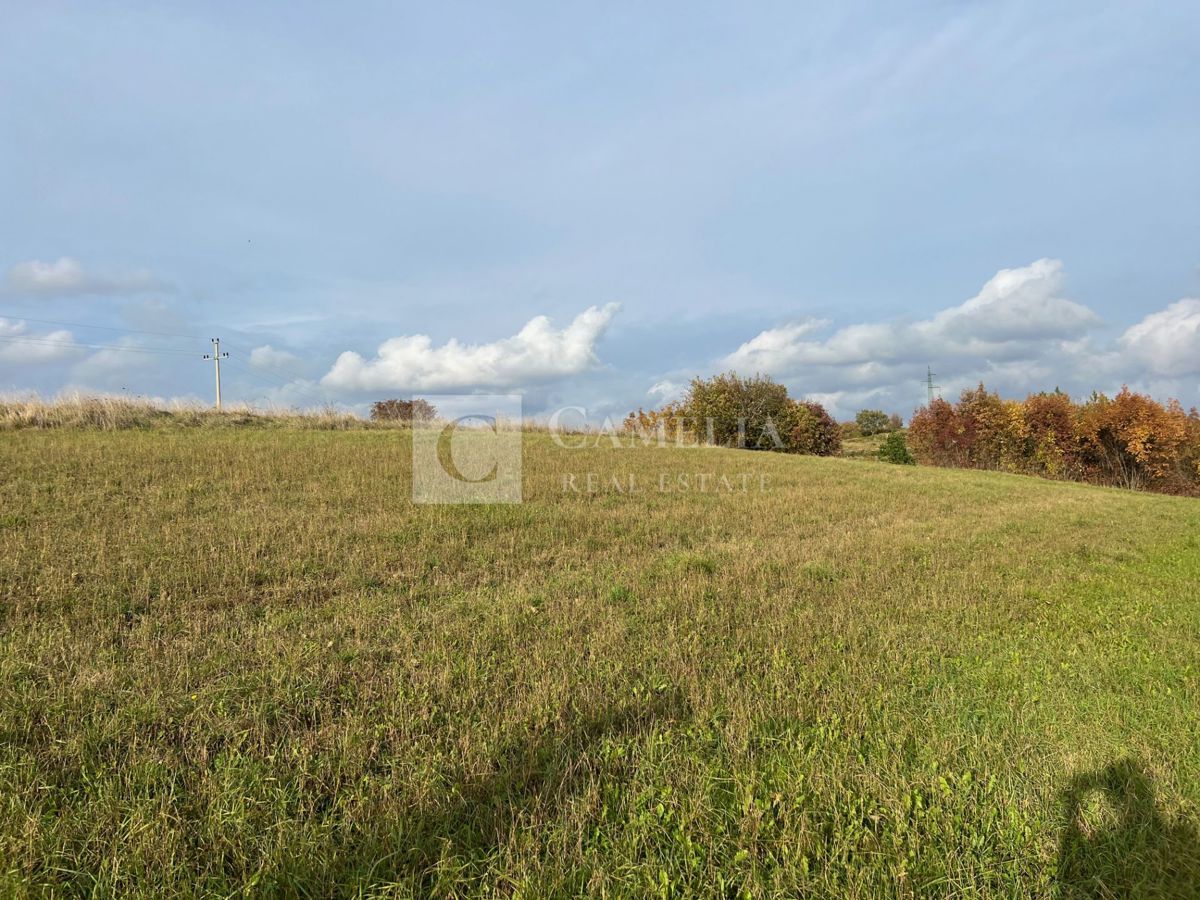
(244, 658)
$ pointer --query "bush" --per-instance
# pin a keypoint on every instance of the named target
(816, 432)
(936, 436)
(1051, 445)
(403, 411)
(1133, 441)
(1190, 462)
(894, 449)
(752, 413)
(730, 411)
(873, 421)
(1130, 440)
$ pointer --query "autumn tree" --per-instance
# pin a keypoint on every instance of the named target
(1049, 437)
(1132, 440)
(936, 436)
(815, 432)
(753, 413)
(731, 411)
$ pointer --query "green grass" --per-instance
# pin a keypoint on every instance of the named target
(241, 661)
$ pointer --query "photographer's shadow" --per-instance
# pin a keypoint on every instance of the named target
(1140, 854)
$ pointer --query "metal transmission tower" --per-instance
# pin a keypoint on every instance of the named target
(216, 356)
(929, 385)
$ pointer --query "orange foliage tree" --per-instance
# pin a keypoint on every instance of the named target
(1130, 440)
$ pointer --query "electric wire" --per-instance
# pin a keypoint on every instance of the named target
(4, 315)
(49, 342)
(300, 385)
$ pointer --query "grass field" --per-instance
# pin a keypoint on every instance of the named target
(241, 661)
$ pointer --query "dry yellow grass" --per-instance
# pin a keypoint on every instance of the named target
(110, 413)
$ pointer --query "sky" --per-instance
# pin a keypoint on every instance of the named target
(590, 205)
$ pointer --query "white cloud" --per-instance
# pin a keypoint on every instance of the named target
(1016, 304)
(19, 347)
(114, 364)
(1018, 334)
(66, 277)
(1014, 308)
(775, 345)
(667, 390)
(537, 353)
(1167, 342)
(267, 357)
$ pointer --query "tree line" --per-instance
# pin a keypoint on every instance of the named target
(1130, 440)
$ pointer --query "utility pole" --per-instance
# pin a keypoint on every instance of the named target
(929, 385)
(216, 356)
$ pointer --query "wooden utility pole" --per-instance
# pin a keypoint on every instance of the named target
(216, 357)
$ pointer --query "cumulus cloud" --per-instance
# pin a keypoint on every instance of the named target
(1167, 342)
(1016, 304)
(267, 357)
(537, 353)
(66, 277)
(777, 345)
(1016, 308)
(1019, 333)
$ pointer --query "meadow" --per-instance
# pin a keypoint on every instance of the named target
(240, 661)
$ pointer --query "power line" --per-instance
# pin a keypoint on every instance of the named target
(294, 374)
(97, 327)
(308, 393)
(315, 395)
(76, 345)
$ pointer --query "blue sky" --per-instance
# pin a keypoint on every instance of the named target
(591, 204)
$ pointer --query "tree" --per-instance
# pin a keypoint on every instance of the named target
(873, 421)
(1189, 463)
(1131, 440)
(1051, 444)
(752, 413)
(731, 411)
(661, 424)
(936, 436)
(987, 437)
(816, 432)
(403, 411)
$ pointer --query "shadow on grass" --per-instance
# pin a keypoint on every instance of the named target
(458, 836)
(1135, 851)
